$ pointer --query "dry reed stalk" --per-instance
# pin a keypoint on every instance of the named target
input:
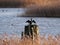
(40, 40)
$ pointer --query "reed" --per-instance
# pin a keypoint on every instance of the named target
(40, 40)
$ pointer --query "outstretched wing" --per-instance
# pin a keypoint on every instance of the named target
(28, 21)
(34, 21)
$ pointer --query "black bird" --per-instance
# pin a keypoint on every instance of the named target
(30, 22)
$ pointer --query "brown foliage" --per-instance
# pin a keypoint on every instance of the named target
(40, 40)
(29, 3)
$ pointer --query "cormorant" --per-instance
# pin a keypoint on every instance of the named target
(31, 21)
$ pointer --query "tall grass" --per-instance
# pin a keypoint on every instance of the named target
(39, 40)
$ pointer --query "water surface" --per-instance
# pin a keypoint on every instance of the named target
(11, 24)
